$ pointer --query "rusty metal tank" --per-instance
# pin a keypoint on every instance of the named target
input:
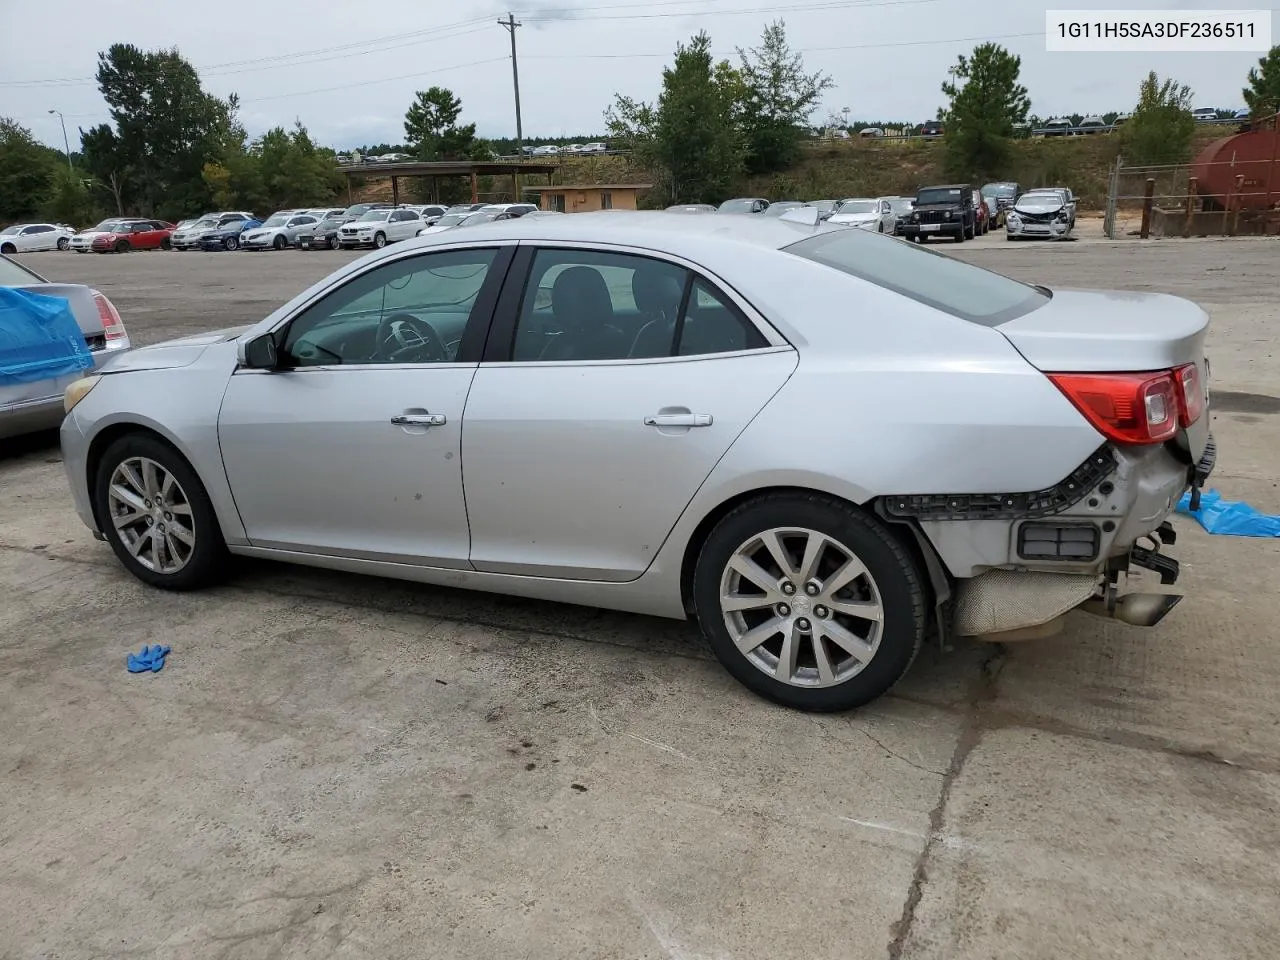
(1240, 172)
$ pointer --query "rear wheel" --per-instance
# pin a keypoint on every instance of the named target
(279, 243)
(166, 244)
(379, 240)
(63, 243)
(808, 601)
(157, 515)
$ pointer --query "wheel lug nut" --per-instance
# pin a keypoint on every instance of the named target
(150, 521)
(820, 612)
(168, 516)
(788, 588)
(811, 589)
(147, 503)
(784, 610)
(802, 623)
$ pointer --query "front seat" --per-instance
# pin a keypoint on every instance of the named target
(583, 310)
(657, 293)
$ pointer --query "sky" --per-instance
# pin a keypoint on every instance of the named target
(348, 71)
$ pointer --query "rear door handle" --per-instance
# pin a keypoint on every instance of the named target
(679, 420)
(419, 419)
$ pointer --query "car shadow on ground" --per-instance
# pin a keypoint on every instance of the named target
(31, 445)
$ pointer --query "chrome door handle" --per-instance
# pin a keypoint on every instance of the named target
(679, 420)
(419, 419)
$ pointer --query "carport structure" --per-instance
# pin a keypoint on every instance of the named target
(437, 169)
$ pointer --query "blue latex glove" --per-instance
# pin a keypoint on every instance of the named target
(151, 658)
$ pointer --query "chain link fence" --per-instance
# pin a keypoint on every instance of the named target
(1237, 197)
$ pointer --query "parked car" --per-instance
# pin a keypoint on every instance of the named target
(1003, 194)
(429, 212)
(1068, 199)
(192, 236)
(824, 207)
(1204, 114)
(465, 208)
(814, 552)
(981, 214)
(595, 146)
(778, 207)
(377, 228)
(82, 242)
(1093, 125)
(572, 148)
(871, 133)
(512, 210)
(134, 235)
(942, 211)
(322, 235)
(865, 213)
(546, 150)
(227, 236)
(33, 237)
(901, 207)
(744, 205)
(1121, 118)
(1040, 213)
(1057, 127)
(691, 208)
(932, 128)
(277, 232)
(447, 222)
(32, 405)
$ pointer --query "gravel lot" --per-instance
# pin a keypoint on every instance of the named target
(333, 766)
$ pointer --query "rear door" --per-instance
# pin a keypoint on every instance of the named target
(612, 384)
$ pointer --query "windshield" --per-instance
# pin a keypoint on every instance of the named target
(374, 215)
(737, 206)
(198, 225)
(942, 282)
(13, 275)
(275, 221)
(902, 205)
(823, 206)
(1041, 195)
(481, 216)
(856, 206)
(106, 226)
(9, 231)
(355, 210)
(999, 190)
(939, 195)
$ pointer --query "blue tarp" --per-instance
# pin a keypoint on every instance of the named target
(1230, 517)
(39, 338)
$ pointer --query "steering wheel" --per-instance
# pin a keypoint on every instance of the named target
(411, 339)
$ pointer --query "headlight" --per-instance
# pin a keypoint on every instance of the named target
(948, 214)
(1013, 219)
(77, 391)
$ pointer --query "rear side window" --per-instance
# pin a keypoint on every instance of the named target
(934, 279)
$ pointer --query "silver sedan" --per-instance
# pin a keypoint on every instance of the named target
(823, 444)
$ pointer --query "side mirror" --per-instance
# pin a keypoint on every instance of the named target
(260, 353)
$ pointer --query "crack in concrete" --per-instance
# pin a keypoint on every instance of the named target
(983, 691)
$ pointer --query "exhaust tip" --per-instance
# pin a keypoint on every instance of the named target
(1137, 609)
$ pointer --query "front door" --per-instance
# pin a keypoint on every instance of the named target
(353, 448)
(582, 448)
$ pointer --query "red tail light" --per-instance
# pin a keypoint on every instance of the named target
(1125, 407)
(112, 325)
(1190, 394)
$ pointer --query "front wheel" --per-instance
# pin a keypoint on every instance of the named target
(166, 244)
(231, 243)
(808, 601)
(63, 243)
(960, 237)
(122, 246)
(379, 240)
(157, 515)
(8, 248)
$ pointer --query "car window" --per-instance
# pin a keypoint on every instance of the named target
(412, 310)
(588, 305)
(40, 228)
(945, 283)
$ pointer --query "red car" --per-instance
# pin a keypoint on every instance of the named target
(982, 221)
(135, 235)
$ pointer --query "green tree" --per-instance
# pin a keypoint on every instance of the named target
(1262, 95)
(108, 164)
(431, 127)
(69, 200)
(291, 169)
(985, 101)
(774, 99)
(26, 171)
(166, 126)
(689, 137)
(1161, 127)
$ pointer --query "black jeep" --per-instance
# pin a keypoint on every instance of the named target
(944, 211)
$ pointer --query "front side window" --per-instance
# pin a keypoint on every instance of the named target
(952, 286)
(589, 305)
(413, 310)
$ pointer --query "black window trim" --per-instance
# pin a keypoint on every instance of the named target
(473, 334)
(499, 346)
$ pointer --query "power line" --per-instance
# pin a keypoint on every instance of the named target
(787, 8)
(367, 83)
(511, 24)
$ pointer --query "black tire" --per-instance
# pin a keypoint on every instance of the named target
(8, 248)
(960, 237)
(63, 243)
(166, 244)
(279, 243)
(122, 246)
(895, 574)
(880, 227)
(208, 561)
(379, 239)
(971, 231)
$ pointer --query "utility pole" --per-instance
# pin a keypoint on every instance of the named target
(66, 146)
(510, 24)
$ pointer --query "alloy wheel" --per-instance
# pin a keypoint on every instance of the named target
(801, 607)
(151, 515)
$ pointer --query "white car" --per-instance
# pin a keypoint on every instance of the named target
(30, 237)
(546, 150)
(447, 222)
(1041, 213)
(82, 242)
(193, 236)
(377, 228)
(278, 231)
(875, 215)
(595, 147)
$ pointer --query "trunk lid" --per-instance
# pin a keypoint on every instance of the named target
(1111, 331)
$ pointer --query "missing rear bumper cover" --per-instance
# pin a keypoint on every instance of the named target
(1007, 506)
